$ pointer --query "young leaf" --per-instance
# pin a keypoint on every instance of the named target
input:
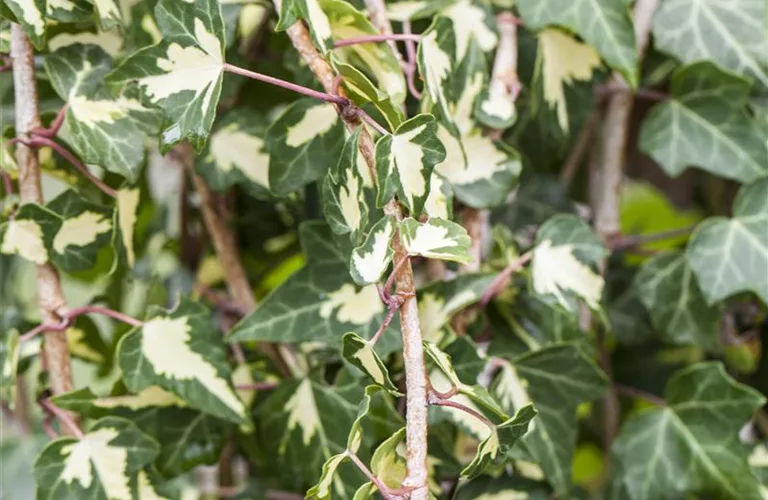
(370, 260)
(100, 465)
(605, 25)
(566, 255)
(322, 490)
(182, 73)
(198, 371)
(493, 449)
(363, 91)
(677, 305)
(303, 143)
(436, 239)
(562, 60)
(706, 124)
(317, 302)
(236, 154)
(556, 378)
(730, 256)
(344, 203)
(30, 14)
(360, 353)
(729, 33)
(692, 444)
(404, 162)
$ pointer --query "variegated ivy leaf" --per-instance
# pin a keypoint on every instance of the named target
(30, 14)
(436, 239)
(706, 124)
(197, 372)
(436, 64)
(109, 13)
(730, 256)
(97, 126)
(236, 154)
(556, 379)
(344, 203)
(85, 342)
(411, 10)
(370, 260)
(562, 60)
(318, 302)
(729, 33)
(182, 73)
(102, 464)
(124, 222)
(69, 231)
(5, 36)
(361, 90)
(605, 25)
(691, 446)
(325, 486)
(565, 262)
(677, 306)
(471, 21)
(494, 449)
(305, 422)
(404, 162)
(187, 438)
(517, 487)
(439, 301)
(9, 361)
(68, 11)
(440, 200)
(303, 143)
(361, 354)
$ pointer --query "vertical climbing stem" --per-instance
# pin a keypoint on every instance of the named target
(50, 296)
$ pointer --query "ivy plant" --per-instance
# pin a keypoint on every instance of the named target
(353, 249)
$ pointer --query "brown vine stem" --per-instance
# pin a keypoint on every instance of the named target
(397, 37)
(501, 280)
(413, 354)
(327, 97)
(384, 490)
(435, 400)
(50, 296)
(71, 314)
(64, 417)
(605, 183)
(631, 241)
(217, 223)
(410, 66)
(377, 11)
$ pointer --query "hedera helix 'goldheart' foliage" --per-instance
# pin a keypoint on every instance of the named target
(246, 300)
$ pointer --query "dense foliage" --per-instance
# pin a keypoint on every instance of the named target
(471, 249)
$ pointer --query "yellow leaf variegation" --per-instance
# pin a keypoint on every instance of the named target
(370, 260)
(436, 239)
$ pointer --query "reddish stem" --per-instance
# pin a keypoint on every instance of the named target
(391, 278)
(410, 69)
(500, 281)
(393, 306)
(38, 141)
(373, 123)
(334, 99)
(630, 241)
(405, 37)
(53, 130)
(385, 491)
(7, 183)
(63, 417)
(435, 400)
(75, 312)
(257, 386)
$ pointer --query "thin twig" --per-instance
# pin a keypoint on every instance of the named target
(402, 37)
(410, 67)
(391, 278)
(373, 123)
(384, 490)
(437, 401)
(500, 281)
(639, 393)
(38, 141)
(68, 317)
(257, 386)
(393, 307)
(53, 130)
(7, 182)
(63, 417)
(335, 99)
(630, 241)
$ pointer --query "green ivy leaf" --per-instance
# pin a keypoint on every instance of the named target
(556, 378)
(370, 260)
(361, 354)
(344, 203)
(730, 256)
(236, 154)
(182, 73)
(302, 143)
(731, 34)
(70, 11)
(317, 302)
(691, 446)
(606, 25)
(187, 438)
(706, 125)
(9, 363)
(109, 13)
(100, 465)
(565, 260)
(198, 371)
(436, 239)
(677, 305)
(30, 14)
(404, 162)
(361, 90)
